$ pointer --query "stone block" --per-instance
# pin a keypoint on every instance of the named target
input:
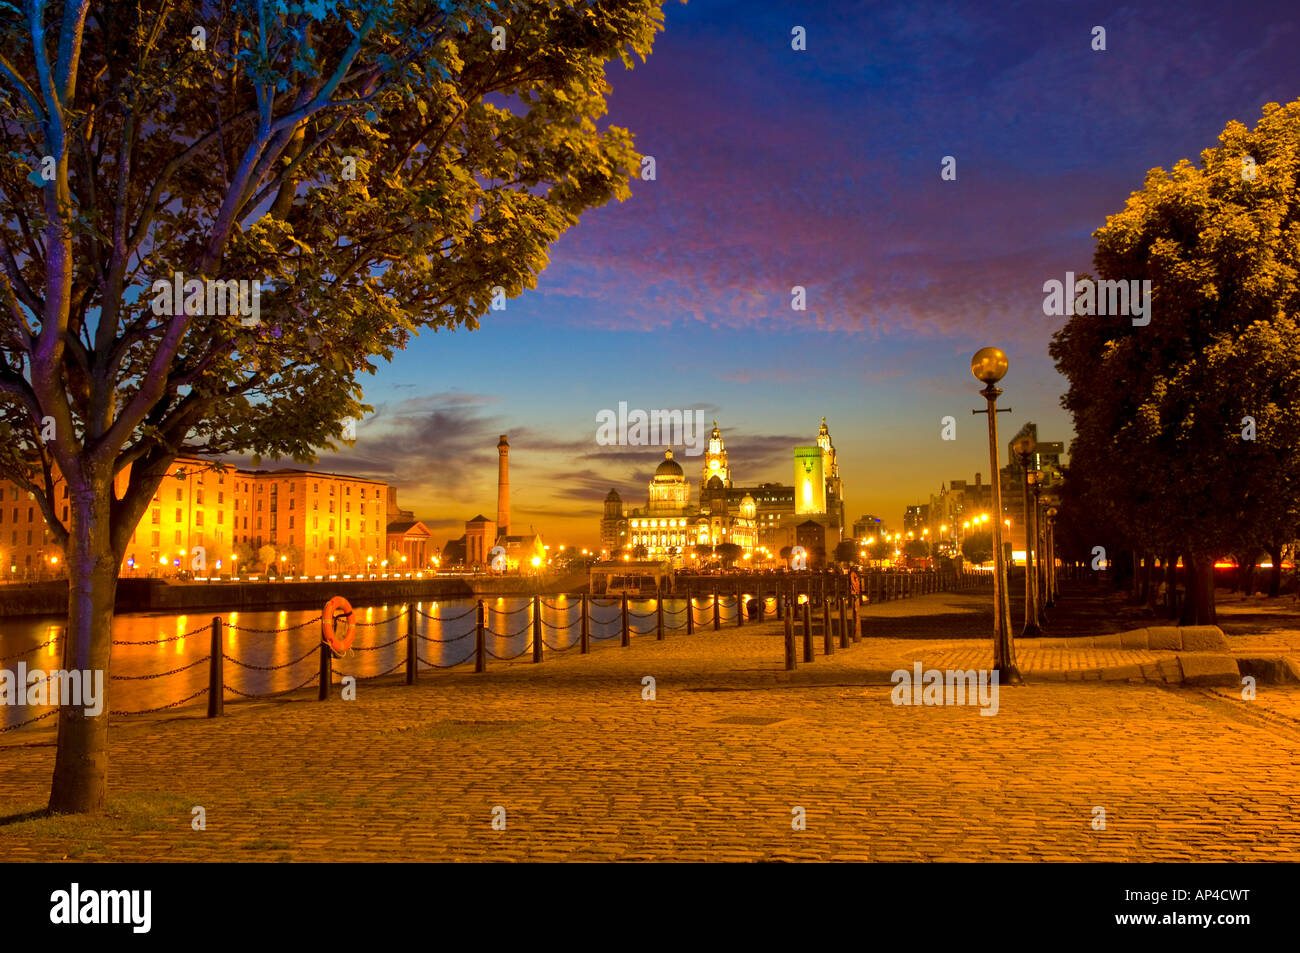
(1108, 642)
(1133, 639)
(1165, 637)
(1205, 669)
(1204, 638)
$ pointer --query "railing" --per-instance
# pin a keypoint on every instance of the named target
(790, 594)
(325, 674)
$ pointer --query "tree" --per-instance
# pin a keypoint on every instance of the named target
(266, 558)
(728, 553)
(702, 551)
(639, 551)
(245, 557)
(293, 558)
(1186, 428)
(978, 547)
(846, 551)
(880, 550)
(916, 549)
(376, 167)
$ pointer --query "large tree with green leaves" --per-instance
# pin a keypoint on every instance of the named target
(1189, 426)
(379, 167)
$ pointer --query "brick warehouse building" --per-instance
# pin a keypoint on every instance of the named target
(307, 516)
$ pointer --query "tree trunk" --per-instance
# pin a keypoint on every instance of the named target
(1171, 585)
(1199, 607)
(1275, 574)
(80, 783)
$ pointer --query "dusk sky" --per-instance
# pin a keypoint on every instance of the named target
(821, 168)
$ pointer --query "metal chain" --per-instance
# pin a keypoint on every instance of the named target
(147, 711)
(451, 618)
(556, 648)
(138, 678)
(376, 648)
(34, 648)
(315, 676)
(271, 668)
(522, 608)
(371, 625)
(52, 711)
(436, 665)
(429, 638)
(366, 678)
(508, 658)
(572, 605)
(291, 628)
(170, 638)
(567, 625)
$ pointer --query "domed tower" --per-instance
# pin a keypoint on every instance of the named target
(613, 524)
(669, 491)
(715, 461)
(613, 505)
(831, 473)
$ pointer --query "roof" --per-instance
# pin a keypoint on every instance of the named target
(479, 519)
(406, 528)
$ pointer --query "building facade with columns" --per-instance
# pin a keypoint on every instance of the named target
(763, 516)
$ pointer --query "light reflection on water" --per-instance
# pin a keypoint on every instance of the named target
(284, 644)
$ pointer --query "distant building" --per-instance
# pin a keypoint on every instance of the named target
(761, 515)
(204, 510)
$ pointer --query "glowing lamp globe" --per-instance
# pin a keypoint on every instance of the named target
(989, 365)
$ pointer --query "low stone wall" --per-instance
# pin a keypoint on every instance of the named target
(158, 595)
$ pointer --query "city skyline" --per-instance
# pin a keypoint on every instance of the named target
(680, 296)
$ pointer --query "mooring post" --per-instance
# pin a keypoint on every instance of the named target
(586, 626)
(627, 632)
(537, 629)
(411, 659)
(790, 660)
(216, 673)
(326, 671)
(844, 622)
(480, 655)
(828, 638)
(807, 631)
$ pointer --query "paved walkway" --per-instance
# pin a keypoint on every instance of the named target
(714, 768)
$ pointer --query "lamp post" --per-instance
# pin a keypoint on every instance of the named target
(989, 365)
(1040, 578)
(1023, 447)
(1051, 555)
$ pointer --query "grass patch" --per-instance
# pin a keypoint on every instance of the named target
(85, 836)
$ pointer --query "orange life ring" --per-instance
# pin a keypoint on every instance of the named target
(337, 608)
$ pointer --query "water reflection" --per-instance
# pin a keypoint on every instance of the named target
(277, 651)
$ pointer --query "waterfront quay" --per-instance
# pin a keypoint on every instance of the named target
(581, 758)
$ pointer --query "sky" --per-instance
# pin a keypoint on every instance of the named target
(821, 168)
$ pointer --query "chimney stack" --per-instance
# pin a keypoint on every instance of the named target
(503, 487)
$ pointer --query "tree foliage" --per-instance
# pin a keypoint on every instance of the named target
(1188, 438)
(377, 167)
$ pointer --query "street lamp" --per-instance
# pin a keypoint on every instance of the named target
(1023, 447)
(1052, 593)
(989, 365)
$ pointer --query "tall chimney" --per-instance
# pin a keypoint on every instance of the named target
(503, 487)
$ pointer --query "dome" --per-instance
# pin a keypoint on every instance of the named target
(670, 469)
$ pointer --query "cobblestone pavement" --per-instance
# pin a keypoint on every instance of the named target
(713, 768)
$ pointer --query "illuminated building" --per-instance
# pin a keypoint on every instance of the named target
(202, 518)
(763, 515)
